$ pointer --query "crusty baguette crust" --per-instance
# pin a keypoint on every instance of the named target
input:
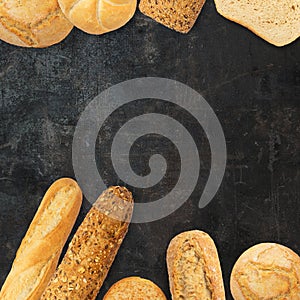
(194, 267)
(267, 35)
(133, 288)
(36, 24)
(266, 271)
(98, 16)
(179, 15)
(38, 254)
(93, 248)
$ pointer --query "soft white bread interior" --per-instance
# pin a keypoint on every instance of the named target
(276, 21)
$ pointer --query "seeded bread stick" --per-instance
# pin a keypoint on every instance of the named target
(93, 248)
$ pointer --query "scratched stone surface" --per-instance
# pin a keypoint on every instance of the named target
(253, 87)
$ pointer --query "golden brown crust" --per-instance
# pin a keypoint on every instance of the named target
(36, 24)
(93, 248)
(132, 288)
(179, 15)
(194, 268)
(98, 16)
(266, 271)
(38, 254)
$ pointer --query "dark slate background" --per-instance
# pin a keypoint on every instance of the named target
(253, 87)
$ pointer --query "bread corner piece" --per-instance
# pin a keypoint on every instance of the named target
(266, 271)
(134, 288)
(179, 15)
(277, 22)
(194, 267)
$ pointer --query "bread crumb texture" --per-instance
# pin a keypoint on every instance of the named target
(98, 16)
(266, 271)
(276, 21)
(134, 288)
(93, 248)
(179, 15)
(32, 23)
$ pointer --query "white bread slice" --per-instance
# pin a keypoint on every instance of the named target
(276, 21)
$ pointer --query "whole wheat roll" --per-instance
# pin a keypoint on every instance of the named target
(194, 267)
(98, 16)
(93, 248)
(40, 249)
(33, 23)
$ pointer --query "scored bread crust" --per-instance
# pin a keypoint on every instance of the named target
(179, 15)
(190, 251)
(273, 26)
(98, 16)
(38, 254)
(132, 288)
(93, 248)
(266, 271)
(34, 24)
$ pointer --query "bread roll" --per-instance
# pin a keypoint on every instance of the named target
(133, 288)
(98, 16)
(194, 267)
(93, 248)
(276, 21)
(179, 15)
(33, 23)
(266, 271)
(38, 254)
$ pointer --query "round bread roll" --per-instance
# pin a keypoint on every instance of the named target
(134, 288)
(266, 271)
(98, 16)
(33, 23)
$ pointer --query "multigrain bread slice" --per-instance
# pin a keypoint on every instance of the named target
(38, 254)
(276, 21)
(33, 23)
(93, 248)
(134, 288)
(179, 15)
(194, 267)
(266, 271)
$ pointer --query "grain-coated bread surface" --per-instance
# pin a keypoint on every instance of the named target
(266, 271)
(98, 16)
(38, 254)
(276, 21)
(93, 248)
(194, 267)
(134, 288)
(33, 23)
(179, 15)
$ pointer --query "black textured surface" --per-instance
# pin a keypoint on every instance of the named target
(253, 87)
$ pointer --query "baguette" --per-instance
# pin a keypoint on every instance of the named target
(179, 15)
(194, 267)
(276, 21)
(266, 271)
(132, 288)
(93, 248)
(38, 254)
(33, 23)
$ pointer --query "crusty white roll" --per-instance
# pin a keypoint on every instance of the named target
(38, 254)
(33, 23)
(98, 16)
